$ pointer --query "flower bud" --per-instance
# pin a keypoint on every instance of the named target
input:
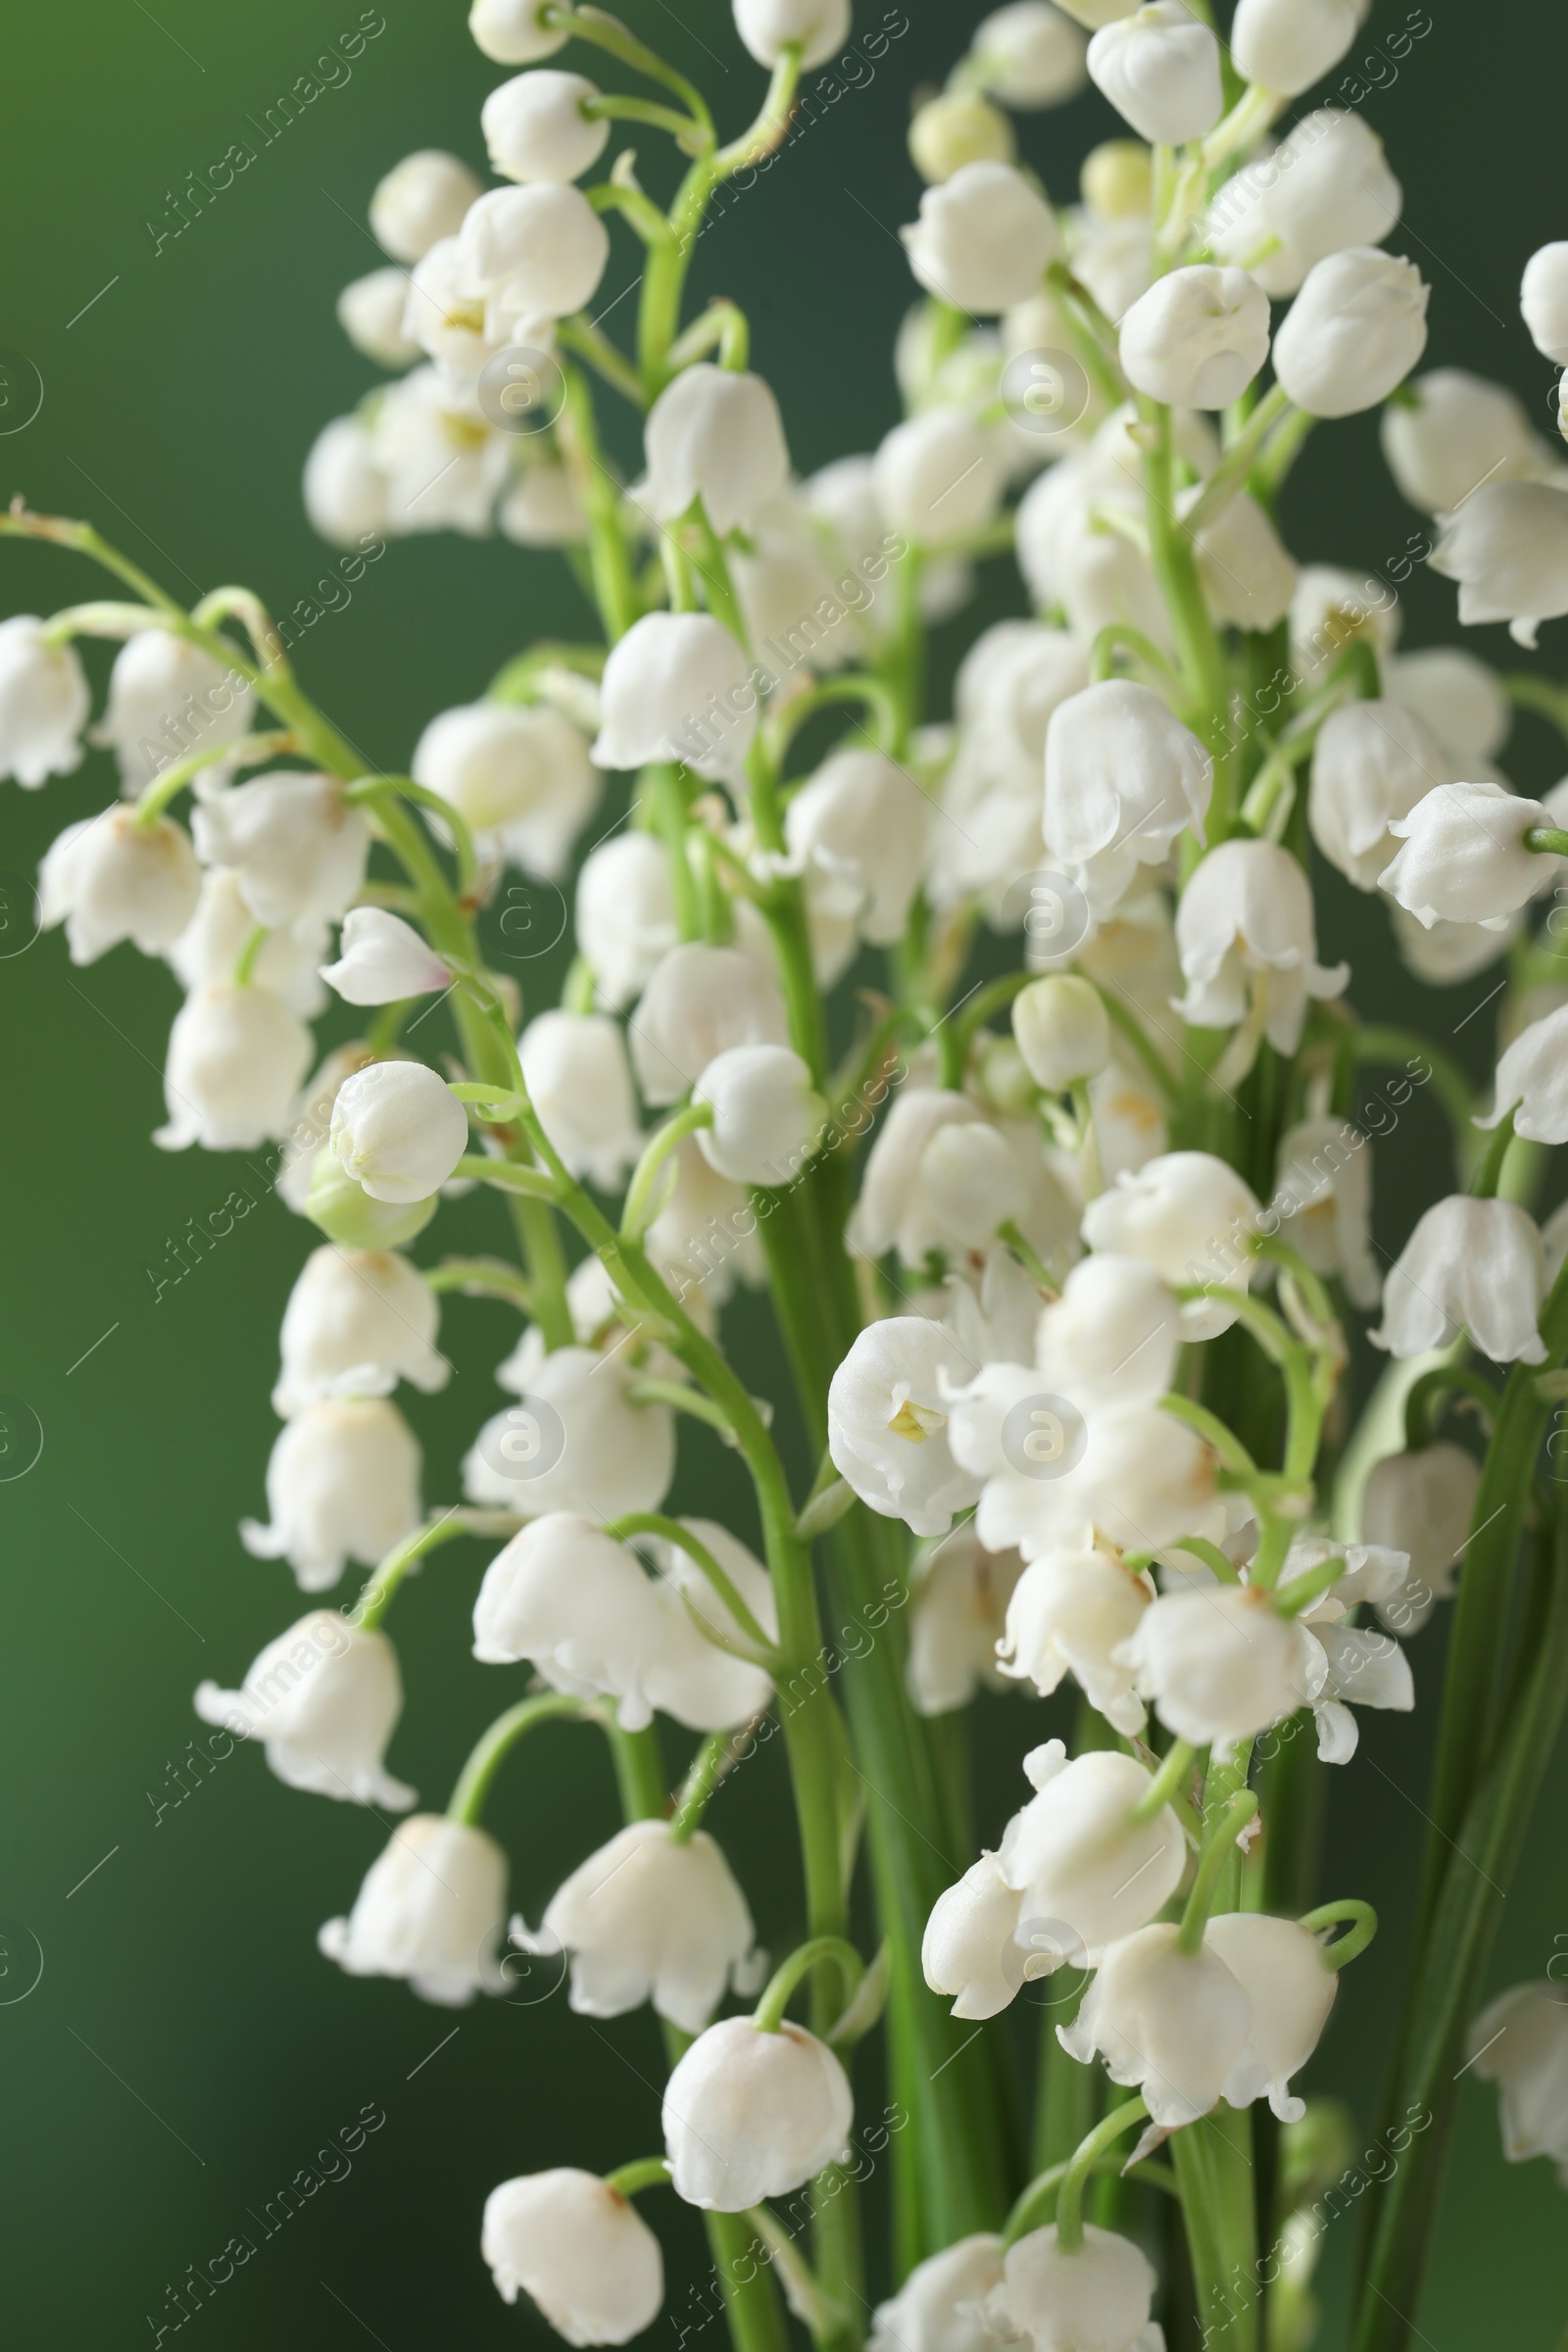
(237, 1057)
(1475, 1266)
(44, 704)
(1099, 2296)
(1286, 45)
(1520, 2042)
(421, 200)
(1068, 1613)
(577, 2246)
(1116, 180)
(511, 32)
(701, 1000)
(648, 1919)
(576, 1443)
(715, 433)
(1507, 547)
(1079, 1861)
(887, 1416)
(1222, 1665)
(431, 1909)
(535, 128)
(1463, 857)
(357, 1323)
(766, 25)
(323, 1700)
(956, 128)
(574, 1066)
(766, 1113)
(1279, 1966)
(1353, 333)
(1420, 1503)
(677, 687)
(1196, 338)
(1455, 432)
(543, 248)
(383, 960)
(398, 1130)
(1160, 67)
(345, 1212)
(345, 490)
(108, 878)
(939, 476)
(1544, 301)
(342, 1483)
(371, 311)
(859, 827)
(937, 2309)
(296, 845)
(749, 2115)
(1029, 56)
(984, 238)
(1123, 779)
(1063, 1031)
(1245, 932)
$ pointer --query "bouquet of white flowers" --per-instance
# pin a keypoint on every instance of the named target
(1063, 1212)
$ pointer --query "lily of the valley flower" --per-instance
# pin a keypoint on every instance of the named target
(1220, 1664)
(983, 240)
(1470, 1264)
(398, 1130)
(958, 1603)
(649, 1919)
(296, 845)
(1286, 45)
(579, 2249)
(1464, 857)
(1324, 1195)
(1371, 763)
(1420, 1503)
(939, 476)
(1190, 1216)
(431, 1910)
(323, 1698)
(535, 128)
(860, 829)
(766, 1113)
(1170, 2023)
(237, 1057)
(1520, 2042)
(822, 27)
(422, 199)
(1160, 67)
(579, 1082)
(1094, 2300)
(749, 2115)
(383, 960)
(169, 700)
(1355, 331)
(1069, 1614)
(1544, 301)
(716, 433)
(357, 1321)
(1079, 1861)
(1196, 338)
(542, 249)
(938, 2308)
(109, 878)
(1507, 548)
(44, 703)
(578, 1608)
(701, 1001)
(519, 776)
(343, 1484)
(677, 687)
(887, 1417)
(1532, 1082)
(1245, 930)
(1279, 1966)
(1123, 778)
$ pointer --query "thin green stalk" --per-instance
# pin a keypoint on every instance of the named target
(832, 1951)
(655, 1523)
(477, 1777)
(644, 2172)
(1070, 2193)
(639, 1204)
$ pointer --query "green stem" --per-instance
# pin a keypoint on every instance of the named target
(639, 1205)
(1444, 1380)
(831, 1950)
(1177, 1763)
(467, 1800)
(245, 754)
(644, 2172)
(1236, 464)
(712, 1760)
(377, 1595)
(654, 1523)
(245, 962)
(1217, 1851)
(480, 1278)
(1363, 1927)
(1488, 1168)
(1546, 841)
(577, 435)
(1070, 2194)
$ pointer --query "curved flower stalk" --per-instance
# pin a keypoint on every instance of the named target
(1063, 1256)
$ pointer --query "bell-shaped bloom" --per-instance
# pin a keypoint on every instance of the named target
(579, 1081)
(958, 1614)
(1520, 2042)
(1053, 1478)
(692, 1679)
(1421, 1504)
(940, 476)
(237, 1057)
(1279, 1966)
(1472, 1265)
(371, 311)
(1168, 2023)
(1324, 1195)
(1196, 338)
(625, 911)
(983, 240)
(1326, 188)
(970, 1952)
(1245, 932)
(323, 1700)
(1063, 1031)
(1071, 557)
(1220, 1664)
(1095, 2300)
(576, 1443)
(344, 487)
(420, 200)
(1160, 67)
(1190, 1216)
(1544, 301)
(766, 1113)
(751, 2115)
(704, 1235)
(937, 2309)
(1027, 55)
(858, 829)
(511, 31)
(887, 1423)
(342, 1483)
(1123, 779)
(1456, 432)
(1110, 1340)
(542, 249)
(1464, 857)
(108, 878)
(578, 2248)
(1245, 569)
(1082, 1865)
(766, 25)
(973, 1181)
(398, 1130)
(677, 687)
(1507, 548)
(431, 1910)
(169, 700)
(1371, 763)
(357, 1321)
(715, 433)
(1355, 331)
(383, 960)
(1286, 45)
(519, 776)
(648, 1919)
(535, 128)
(44, 703)
(294, 842)
(894, 1209)
(1069, 1614)
(575, 1604)
(1460, 700)
(1532, 1081)
(701, 1001)
(287, 964)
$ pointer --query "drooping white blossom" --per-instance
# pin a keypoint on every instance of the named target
(700, 1001)
(575, 1443)
(431, 1910)
(357, 1321)
(342, 1483)
(970, 1953)
(749, 2115)
(1094, 2300)
(1460, 700)
(1196, 338)
(1220, 1664)
(345, 488)
(1326, 188)
(939, 476)
(1029, 56)
(820, 26)
(371, 311)
(535, 128)
(983, 240)
(1520, 2042)
(1246, 933)
(398, 1130)
(542, 250)
(715, 433)
(44, 703)
(1507, 548)
(1371, 763)
(577, 2246)
(287, 963)
(323, 1698)
(577, 1605)
(237, 1057)
(938, 2308)
(579, 1082)
(887, 1416)
(858, 828)
(420, 200)
(1464, 857)
(1063, 1031)
(519, 776)
(677, 687)
(383, 960)
(1168, 2023)
(958, 1614)
(766, 1113)
(1245, 569)
(1532, 1082)
(1286, 45)
(1544, 301)
(647, 1918)
(1068, 1615)
(1192, 1217)
(1160, 67)
(511, 31)
(1456, 432)
(170, 700)
(1081, 1864)
(1123, 778)
(1355, 331)
(109, 878)
(1324, 1195)
(1420, 1503)
(1279, 1966)
(1470, 1264)
(296, 845)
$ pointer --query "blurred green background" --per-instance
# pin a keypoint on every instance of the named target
(186, 2050)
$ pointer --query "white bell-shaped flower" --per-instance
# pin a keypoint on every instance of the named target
(398, 1130)
(1279, 1966)
(443, 467)
(1464, 857)
(1286, 45)
(44, 703)
(937, 2309)
(749, 2115)
(169, 700)
(344, 487)
(625, 913)
(1070, 556)
(1069, 1613)
(699, 1002)
(1063, 1031)
(296, 845)
(1475, 1266)
(1544, 301)
(1169, 2023)
(1324, 1197)
(1245, 569)
(371, 311)
(1520, 2042)
(1456, 432)
(715, 433)
(357, 1321)
(383, 960)
(535, 128)
(511, 31)
(858, 828)
(578, 1606)
(287, 963)
(109, 878)
(706, 1687)
(578, 2248)
(237, 1057)
(958, 1612)
(646, 1919)
(323, 1700)
(1355, 331)
(420, 200)
(1460, 700)
(1160, 67)
(939, 476)
(1196, 338)
(677, 688)
(579, 1082)
(543, 249)
(1053, 1479)
(894, 1209)
(970, 1953)
(705, 1235)
(766, 25)
(1123, 778)
(1085, 1868)
(973, 1180)
(1029, 56)
(519, 775)
(1245, 930)
(1364, 1666)
(1532, 1082)
(1420, 1503)
(984, 240)
(887, 1423)
(1371, 763)
(1326, 188)
(1507, 548)
(342, 1483)
(575, 1443)
(1193, 1218)
(1111, 1339)
(766, 1113)
(1221, 1664)
(1095, 2300)
(431, 1910)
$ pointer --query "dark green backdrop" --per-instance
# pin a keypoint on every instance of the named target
(186, 2050)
